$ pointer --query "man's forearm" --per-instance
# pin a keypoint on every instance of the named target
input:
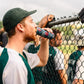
(43, 52)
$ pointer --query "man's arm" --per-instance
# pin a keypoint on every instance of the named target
(63, 76)
(39, 58)
(43, 52)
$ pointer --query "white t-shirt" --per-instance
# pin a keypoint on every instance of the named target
(33, 59)
(15, 69)
(59, 59)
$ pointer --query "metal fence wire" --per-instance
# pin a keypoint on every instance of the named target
(66, 61)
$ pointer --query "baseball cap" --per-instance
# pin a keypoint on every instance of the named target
(79, 37)
(14, 16)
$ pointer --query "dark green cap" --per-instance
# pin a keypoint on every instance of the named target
(14, 16)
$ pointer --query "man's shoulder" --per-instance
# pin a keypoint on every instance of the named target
(15, 59)
(13, 56)
(10, 57)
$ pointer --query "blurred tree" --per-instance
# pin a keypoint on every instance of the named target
(1, 25)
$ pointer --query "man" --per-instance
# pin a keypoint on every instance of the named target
(53, 72)
(14, 64)
(76, 60)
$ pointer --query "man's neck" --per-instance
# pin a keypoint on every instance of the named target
(15, 45)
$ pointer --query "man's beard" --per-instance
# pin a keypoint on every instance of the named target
(29, 38)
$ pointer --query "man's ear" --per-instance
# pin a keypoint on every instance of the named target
(20, 27)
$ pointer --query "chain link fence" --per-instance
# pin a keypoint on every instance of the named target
(66, 62)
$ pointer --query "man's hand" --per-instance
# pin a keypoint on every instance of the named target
(45, 20)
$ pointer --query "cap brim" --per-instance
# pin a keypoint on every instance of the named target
(29, 13)
(32, 12)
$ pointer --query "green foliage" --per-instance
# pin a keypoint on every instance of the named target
(1, 25)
